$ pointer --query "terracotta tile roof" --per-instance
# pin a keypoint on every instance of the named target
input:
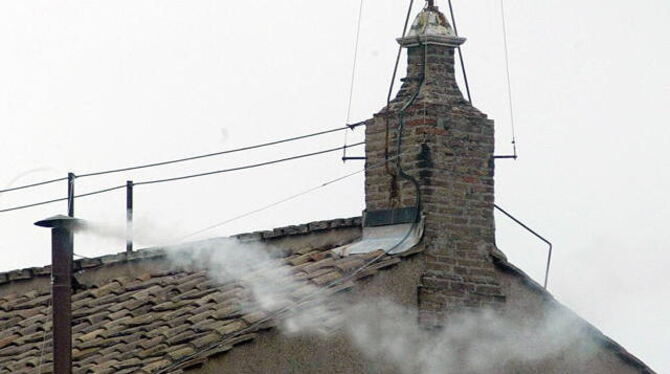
(163, 321)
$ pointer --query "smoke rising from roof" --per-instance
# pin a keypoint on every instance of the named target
(474, 341)
(481, 341)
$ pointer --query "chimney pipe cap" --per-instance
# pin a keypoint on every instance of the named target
(59, 221)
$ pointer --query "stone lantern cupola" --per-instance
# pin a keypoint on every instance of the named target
(437, 152)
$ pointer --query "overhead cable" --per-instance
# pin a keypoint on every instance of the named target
(271, 205)
(247, 148)
(181, 177)
(278, 202)
(61, 199)
(174, 161)
(246, 166)
(33, 185)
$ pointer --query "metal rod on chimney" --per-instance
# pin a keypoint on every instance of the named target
(551, 246)
(62, 239)
(70, 194)
(129, 216)
(460, 53)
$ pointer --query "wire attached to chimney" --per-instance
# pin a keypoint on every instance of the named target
(401, 127)
(391, 85)
(353, 78)
(509, 80)
(397, 58)
(460, 53)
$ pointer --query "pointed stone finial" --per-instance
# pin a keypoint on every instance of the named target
(431, 27)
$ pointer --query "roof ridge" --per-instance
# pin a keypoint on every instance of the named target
(158, 252)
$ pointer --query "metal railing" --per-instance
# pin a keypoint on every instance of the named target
(551, 247)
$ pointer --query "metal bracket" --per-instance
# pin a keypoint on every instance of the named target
(352, 126)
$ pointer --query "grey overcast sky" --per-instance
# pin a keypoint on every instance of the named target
(89, 85)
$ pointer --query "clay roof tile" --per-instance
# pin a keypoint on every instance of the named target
(166, 319)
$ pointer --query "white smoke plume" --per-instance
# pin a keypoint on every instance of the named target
(472, 342)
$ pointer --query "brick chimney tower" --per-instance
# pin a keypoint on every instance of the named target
(438, 155)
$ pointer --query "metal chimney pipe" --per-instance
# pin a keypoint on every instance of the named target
(62, 239)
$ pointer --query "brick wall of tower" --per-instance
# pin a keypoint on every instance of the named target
(447, 145)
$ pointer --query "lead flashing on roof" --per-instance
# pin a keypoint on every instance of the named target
(392, 239)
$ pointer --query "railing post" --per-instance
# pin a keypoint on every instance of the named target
(70, 194)
(129, 216)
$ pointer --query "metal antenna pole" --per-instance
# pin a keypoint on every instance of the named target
(129, 216)
(62, 239)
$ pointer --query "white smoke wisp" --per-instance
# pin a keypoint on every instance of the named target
(262, 270)
(259, 269)
(144, 231)
(473, 342)
(97, 229)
